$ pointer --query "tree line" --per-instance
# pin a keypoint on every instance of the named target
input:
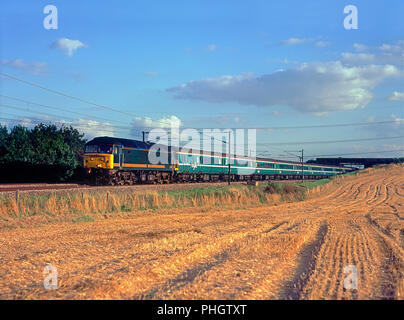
(43, 153)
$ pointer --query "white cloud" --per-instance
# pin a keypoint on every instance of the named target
(372, 118)
(384, 54)
(30, 67)
(312, 87)
(371, 58)
(144, 123)
(147, 124)
(297, 41)
(394, 128)
(395, 147)
(322, 43)
(389, 147)
(68, 46)
(217, 120)
(78, 76)
(25, 122)
(152, 74)
(384, 149)
(397, 121)
(92, 128)
(358, 58)
(396, 96)
(211, 47)
(399, 47)
(294, 41)
(360, 47)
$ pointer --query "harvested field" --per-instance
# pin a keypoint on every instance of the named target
(287, 250)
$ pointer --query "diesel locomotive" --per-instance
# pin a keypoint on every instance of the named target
(117, 161)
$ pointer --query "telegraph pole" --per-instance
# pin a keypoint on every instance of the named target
(301, 158)
(143, 133)
(228, 180)
(302, 166)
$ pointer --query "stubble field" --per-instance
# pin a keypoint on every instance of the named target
(287, 250)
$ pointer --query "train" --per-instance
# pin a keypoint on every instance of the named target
(119, 161)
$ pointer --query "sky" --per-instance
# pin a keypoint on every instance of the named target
(288, 68)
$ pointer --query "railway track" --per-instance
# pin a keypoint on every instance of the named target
(38, 186)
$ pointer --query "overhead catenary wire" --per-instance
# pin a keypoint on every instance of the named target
(258, 153)
(55, 116)
(61, 109)
(354, 153)
(328, 141)
(165, 122)
(283, 143)
(65, 95)
(75, 98)
(61, 123)
(208, 128)
(98, 124)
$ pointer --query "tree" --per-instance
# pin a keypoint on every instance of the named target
(75, 140)
(18, 145)
(3, 142)
(44, 151)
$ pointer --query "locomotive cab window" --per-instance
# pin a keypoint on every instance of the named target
(91, 149)
(98, 149)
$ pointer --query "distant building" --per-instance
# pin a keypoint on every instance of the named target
(353, 165)
(359, 163)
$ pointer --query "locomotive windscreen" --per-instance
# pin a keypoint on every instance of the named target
(93, 148)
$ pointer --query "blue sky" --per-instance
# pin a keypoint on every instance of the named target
(212, 64)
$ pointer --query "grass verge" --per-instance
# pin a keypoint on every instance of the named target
(80, 207)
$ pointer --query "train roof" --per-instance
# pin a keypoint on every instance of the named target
(147, 145)
(121, 141)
